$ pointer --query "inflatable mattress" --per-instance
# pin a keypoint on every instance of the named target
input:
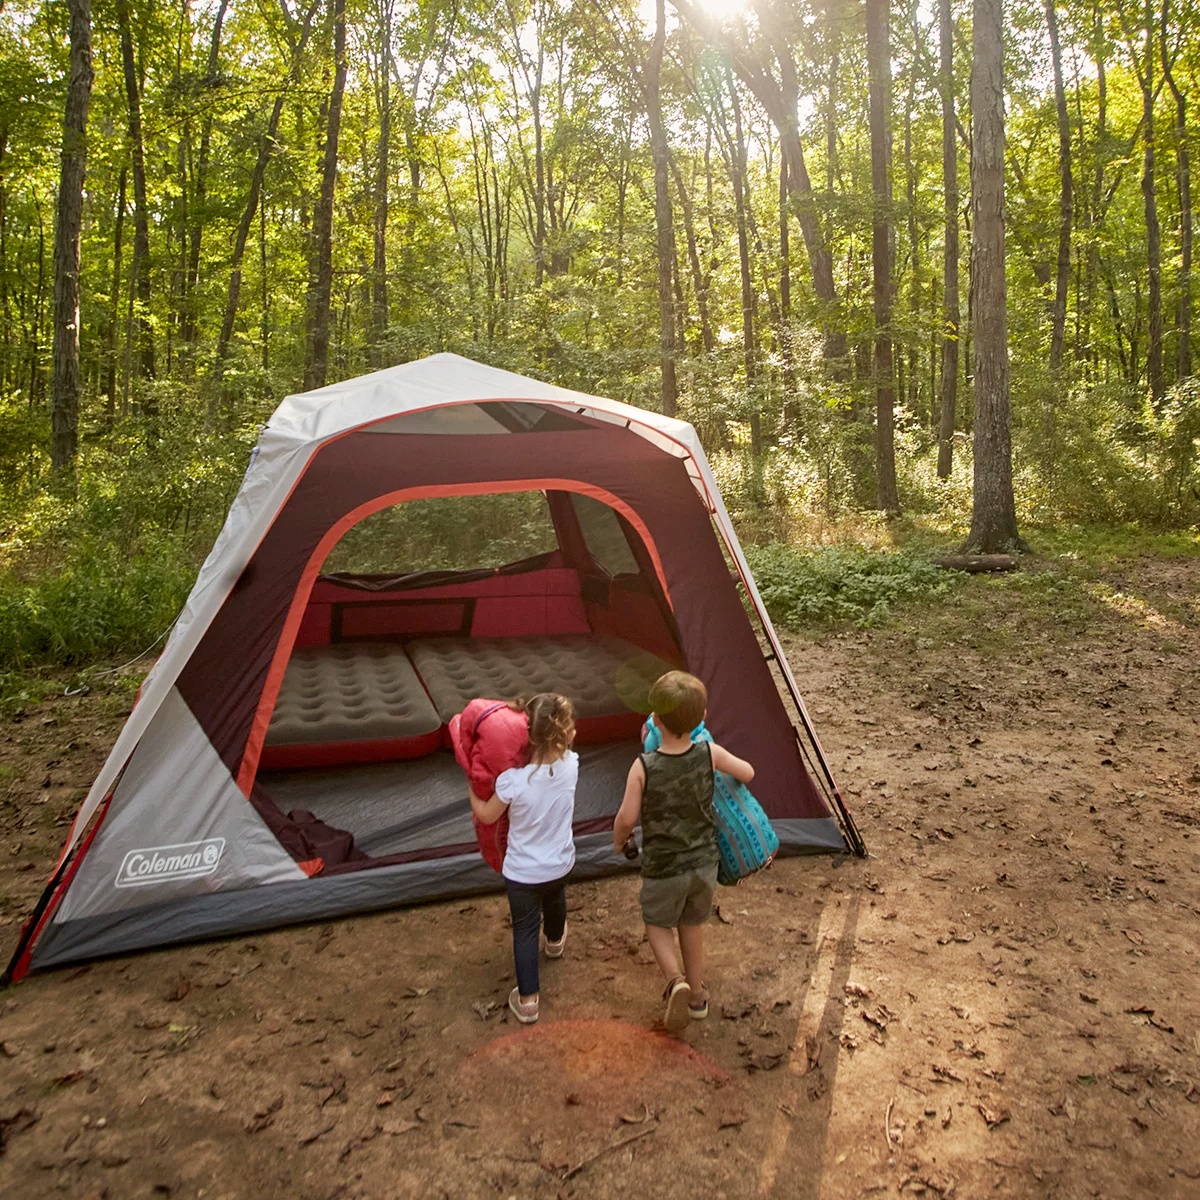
(350, 702)
(605, 677)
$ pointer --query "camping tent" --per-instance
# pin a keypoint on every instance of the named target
(286, 759)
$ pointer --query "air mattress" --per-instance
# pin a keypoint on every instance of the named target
(350, 702)
(606, 678)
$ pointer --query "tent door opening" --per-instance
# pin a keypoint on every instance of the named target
(425, 605)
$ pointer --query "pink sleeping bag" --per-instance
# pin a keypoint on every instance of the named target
(489, 737)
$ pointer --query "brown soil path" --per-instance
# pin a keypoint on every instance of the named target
(1001, 1001)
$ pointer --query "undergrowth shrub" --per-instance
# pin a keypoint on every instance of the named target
(98, 601)
(842, 583)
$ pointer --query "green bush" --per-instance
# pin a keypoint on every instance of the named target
(841, 583)
(99, 601)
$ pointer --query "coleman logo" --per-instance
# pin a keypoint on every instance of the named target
(189, 860)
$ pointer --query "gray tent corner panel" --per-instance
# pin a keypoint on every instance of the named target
(809, 835)
(271, 906)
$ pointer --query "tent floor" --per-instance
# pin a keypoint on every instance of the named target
(392, 808)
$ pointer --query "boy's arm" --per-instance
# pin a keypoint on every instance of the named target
(630, 812)
(487, 811)
(730, 764)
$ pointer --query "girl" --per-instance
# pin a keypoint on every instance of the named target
(540, 802)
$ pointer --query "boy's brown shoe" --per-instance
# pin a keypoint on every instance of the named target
(677, 996)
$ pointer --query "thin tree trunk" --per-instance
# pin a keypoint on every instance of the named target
(994, 515)
(321, 286)
(787, 350)
(379, 290)
(913, 316)
(737, 161)
(190, 329)
(264, 335)
(1184, 177)
(65, 386)
(662, 211)
(780, 99)
(950, 312)
(880, 88)
(699, 283)
(114, 303)
(1066, 203)
(141, 218)
(1144, 67)
(265, 148)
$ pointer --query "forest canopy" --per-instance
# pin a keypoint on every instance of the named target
(759, 216)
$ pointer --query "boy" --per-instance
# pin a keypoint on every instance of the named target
(670, 792)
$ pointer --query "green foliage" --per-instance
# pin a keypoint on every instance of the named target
(98, 601)
(842, 583)
(1102, 455)
(452, 533)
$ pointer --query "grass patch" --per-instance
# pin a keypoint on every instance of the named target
(1102, 546)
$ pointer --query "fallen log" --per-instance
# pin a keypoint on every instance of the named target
(978, 563)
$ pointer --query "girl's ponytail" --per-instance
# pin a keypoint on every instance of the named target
(551, 726)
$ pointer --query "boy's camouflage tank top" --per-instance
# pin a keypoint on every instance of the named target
(678, 831)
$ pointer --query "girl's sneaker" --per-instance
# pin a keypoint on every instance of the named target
(698, 1009)
(555, 949)
(525, 1011)
(677, 995)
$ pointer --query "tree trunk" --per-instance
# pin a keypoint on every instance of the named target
(1066, 203)
(662, 211)
(950, 315)
(321, 285)
(787, 350)
(780, 99)
(141, 218)
(114, 301)
(190, 330)
(1145, 74)
(993, 515)
(699, 283)
(880, 89)
(737, 166)
(265, 148)
(1184, 176)
(65, 386)
(912, 316)
(379, 294)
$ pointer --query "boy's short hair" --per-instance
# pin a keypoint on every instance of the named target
(680, 699)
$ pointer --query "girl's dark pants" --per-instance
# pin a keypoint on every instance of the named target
(529, 904)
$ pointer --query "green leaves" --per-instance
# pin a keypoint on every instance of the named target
(842, 583)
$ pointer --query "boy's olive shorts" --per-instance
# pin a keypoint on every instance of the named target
(683, 899)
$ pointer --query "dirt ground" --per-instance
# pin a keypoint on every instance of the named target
(1002, 1000)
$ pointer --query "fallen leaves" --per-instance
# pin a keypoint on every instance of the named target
(265, 1117)
(307, 1139)
(993, 1116)
(952, 935)
(16, 1121)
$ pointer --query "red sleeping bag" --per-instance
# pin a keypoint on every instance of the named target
(488, 738)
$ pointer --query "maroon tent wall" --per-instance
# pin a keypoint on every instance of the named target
(224, 679)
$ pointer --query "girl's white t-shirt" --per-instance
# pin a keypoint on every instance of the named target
(541, 807)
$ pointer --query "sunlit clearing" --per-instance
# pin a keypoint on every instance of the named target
(1133, 607)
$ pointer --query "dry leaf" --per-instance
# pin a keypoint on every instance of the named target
(395, 1128)
(993, 1116)
(266, 1117)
